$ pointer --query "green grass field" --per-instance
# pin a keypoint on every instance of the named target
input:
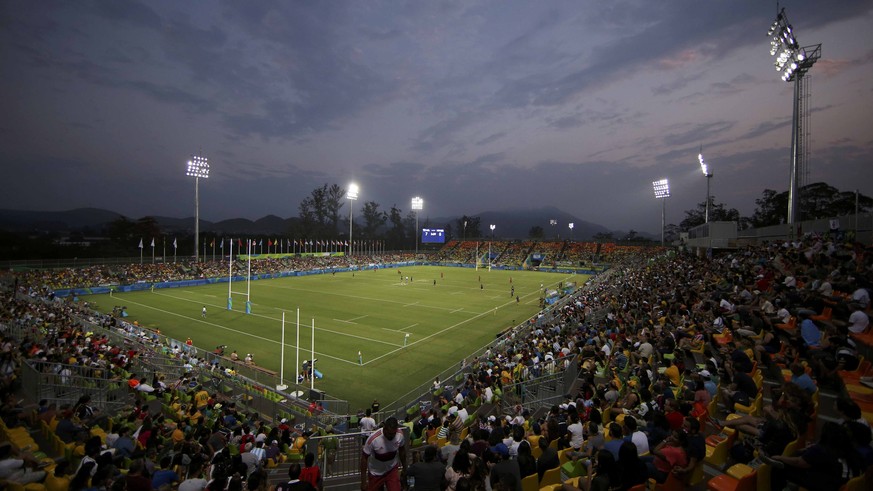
(368, 311)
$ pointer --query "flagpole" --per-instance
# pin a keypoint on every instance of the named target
(230, 277)
(297, 347)
(164, 250)
(282, 385)
(312, 357)
(213, 249)
(175, 246)
(153, 250)
(140, 251)
(249, 281)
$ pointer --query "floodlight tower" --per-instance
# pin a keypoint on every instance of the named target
(197, 167)
(492, 226)
(553, 222)
(793, 62)
(708, 176)
(417, 205)
(351, 195)
(662, 192)
(571, 225)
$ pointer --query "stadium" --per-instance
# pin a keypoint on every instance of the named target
(521, 348)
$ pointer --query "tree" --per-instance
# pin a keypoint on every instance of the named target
(469, 227)
(409, 228)
(122, 231)
(770, 209)
(334, 203)
(450, 233)
(374, 219)
(817, 200)
(717, 213)
(147, 228)
(536, 232)
(397, 231)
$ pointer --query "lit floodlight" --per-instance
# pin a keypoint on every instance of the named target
(198, 167)
(784, 42)
(703, 166)
(661, 188)
(417, 203)
(352, 192)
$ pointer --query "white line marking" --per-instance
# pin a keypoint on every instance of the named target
(276, 319)
(411, 304)
(456, 310)
(347, 322)
(407, 327)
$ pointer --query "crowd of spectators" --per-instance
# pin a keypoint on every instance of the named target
(654, 339)
(127, 274)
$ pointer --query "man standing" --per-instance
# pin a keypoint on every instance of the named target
(203, 312)
(368, 424)
(383, 452)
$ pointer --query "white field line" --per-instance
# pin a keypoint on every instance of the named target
(277, 320)
(219, 326)
(357, 297)
(352, 362)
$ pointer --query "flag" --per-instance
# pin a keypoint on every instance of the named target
(221, 245)
(239, 243)
(153, 242)
(269, 243)
(175, 244)
(140, 243)
(261, 244)
(212, 244)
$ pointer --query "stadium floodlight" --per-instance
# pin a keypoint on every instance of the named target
(492, 227)
(553, 222)
(417, 205)
(571, 225)
(793, 62)
(708, 175)
(351, 195)
(662, 192)
(198, 167)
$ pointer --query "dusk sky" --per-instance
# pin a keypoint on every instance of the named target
(473, 105)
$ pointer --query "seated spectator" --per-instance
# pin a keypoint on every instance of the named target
(824, 466)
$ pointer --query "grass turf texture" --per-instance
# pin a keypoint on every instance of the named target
(368, 311)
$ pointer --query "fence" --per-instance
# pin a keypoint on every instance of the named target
(65, 384)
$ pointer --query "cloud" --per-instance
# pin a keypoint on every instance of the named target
(697, 133)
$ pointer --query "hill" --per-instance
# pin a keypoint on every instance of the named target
(509, 224)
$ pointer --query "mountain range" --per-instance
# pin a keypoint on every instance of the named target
(514, 224)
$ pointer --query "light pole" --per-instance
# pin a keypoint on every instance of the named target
(351, 195)
(793, 62)
(708, 176)
(662, 192)
(417, 205)
(553, 222)
(197, 167)
(571, 225)
(489, 246)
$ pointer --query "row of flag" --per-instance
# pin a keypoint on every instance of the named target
(282, 242)
(175, 244)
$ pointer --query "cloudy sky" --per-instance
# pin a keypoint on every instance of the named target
(472, 105)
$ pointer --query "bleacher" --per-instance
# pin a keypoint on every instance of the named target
(533, 371)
